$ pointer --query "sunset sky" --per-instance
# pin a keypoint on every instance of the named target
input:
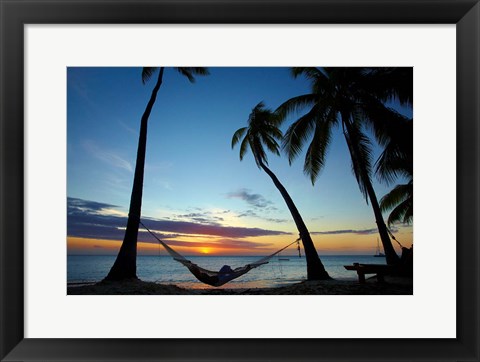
(197, 194)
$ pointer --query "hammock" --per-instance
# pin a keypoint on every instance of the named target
(225, 274)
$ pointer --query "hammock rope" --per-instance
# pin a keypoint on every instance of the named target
(393, 237)
(225, 274)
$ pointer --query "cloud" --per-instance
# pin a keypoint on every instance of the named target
(204, 217)
(251, 213)
(88, 219)
(107, 156)
(81, 89)
(186, 227)
(258, 202)
(347, 231)
(75, 205)
(255, 200)
(350, 231)
(248, 213)
(128, 128)
(278, 221)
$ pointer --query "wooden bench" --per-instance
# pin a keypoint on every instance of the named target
(362, 269)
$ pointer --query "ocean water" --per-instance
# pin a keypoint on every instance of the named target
(163, 269)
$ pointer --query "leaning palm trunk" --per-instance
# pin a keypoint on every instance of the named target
(315, 268)
(125, 265)
(390, 254)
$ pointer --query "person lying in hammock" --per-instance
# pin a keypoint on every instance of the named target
(225, 274)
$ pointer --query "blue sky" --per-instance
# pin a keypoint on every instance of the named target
(192, 175)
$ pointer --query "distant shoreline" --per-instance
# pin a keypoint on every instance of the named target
(392, 286)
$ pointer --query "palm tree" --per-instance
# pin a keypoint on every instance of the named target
(262, 131)
(125, 266)
(354, 98)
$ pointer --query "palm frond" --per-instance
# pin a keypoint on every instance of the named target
(393, 163)
(274, 132)
(295, 105)
(400, 201)
(384, 121)
(397, 156)
(397, 195)
(299, 133)
(238, 135)
(270, 142)
(191, 72)
(147, 73)
(408, 215)
(321, 82)
(403, 212)
(311, 73)
(317, 150)
(260, 106)
(244, 148)
(258, 150)
(360, 152)
(392, 83)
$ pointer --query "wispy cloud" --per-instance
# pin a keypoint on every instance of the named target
(79, 206)
(248, 213)
(118, 182)
(159, 166)
(81, 89)
(350, 231)
(204, 217)
(255, 200)
(251, 213)
(278, 221)
(107, 156)
(347, 231)
(129, 129)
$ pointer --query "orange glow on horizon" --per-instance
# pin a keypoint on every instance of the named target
(334, 244)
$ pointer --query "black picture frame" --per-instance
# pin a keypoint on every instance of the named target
(15, 14)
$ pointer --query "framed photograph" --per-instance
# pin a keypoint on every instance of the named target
(306, 256)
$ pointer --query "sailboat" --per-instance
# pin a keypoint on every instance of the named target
(378, 253)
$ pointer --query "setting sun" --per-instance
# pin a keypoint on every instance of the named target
(205, 250)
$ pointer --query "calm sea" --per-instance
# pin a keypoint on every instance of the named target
(163, 269)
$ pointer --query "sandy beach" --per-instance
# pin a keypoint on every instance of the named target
(391, 286)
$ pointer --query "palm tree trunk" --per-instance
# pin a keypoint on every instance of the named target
(315, 268)
(125, 266)
(390, 254)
